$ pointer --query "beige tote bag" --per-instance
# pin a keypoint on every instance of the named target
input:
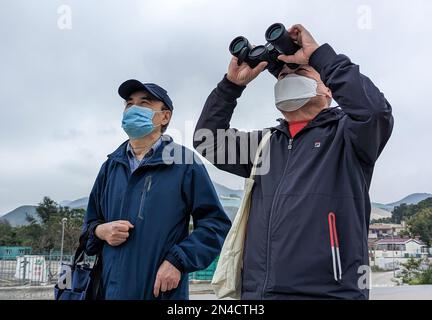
(226, 280)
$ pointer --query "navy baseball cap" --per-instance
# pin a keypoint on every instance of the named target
(130, 86)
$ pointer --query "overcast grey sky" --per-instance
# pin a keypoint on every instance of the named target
(61, 115)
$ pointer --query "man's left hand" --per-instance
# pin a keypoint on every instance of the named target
(167, 278)
(304, 39)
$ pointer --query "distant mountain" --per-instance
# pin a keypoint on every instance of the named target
(411, 199)
(230, 199)
(80, 203)
(380, 210)
(379, 213)
(18, 216)
(64, 203)
(382, 206)
(221, 190)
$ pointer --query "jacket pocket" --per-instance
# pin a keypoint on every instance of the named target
(144, 194)
(334, 247)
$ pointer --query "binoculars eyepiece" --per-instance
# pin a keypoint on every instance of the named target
(278, 42)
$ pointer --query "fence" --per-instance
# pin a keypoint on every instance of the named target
(44, 269)
(30, 269)
(206, 274)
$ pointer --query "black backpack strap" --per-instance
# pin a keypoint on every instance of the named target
(96, 272)
(96, 275)
(79, 253)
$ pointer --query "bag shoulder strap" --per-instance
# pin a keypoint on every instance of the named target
(261, 146)
(79, 253)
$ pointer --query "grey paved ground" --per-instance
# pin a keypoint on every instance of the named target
(383, 279)
(384, 293)
(402, 293)
(203, 291)
(383, 289)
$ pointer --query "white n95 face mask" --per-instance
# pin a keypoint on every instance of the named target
(294, 91)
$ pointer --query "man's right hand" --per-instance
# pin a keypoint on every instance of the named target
(242, 74)
(115, 232)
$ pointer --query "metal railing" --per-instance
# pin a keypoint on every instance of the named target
(206, 274)
(34, 270)
(31, 269)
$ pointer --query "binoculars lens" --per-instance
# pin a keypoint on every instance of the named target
(257, 52)
(279, 37)
(274, 32)
(237, 45)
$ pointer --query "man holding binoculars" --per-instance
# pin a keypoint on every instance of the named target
(309, 217)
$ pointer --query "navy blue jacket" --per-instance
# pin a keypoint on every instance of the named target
(327, 167)
(158, 198)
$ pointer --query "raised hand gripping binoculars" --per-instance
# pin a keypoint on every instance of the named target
(278, 42)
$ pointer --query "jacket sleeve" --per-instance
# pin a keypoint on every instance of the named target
(370, 120)
(211, 224)
(227, 148)
(94, 216)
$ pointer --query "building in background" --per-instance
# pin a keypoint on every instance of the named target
(383, 230)
(389, 253)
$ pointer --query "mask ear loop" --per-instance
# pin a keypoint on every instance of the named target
(160, 124)
(317, 83)
(326, 96)
(322, 94)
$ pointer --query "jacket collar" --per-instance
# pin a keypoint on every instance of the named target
(325, 116)
(120, 154)
(130, 153)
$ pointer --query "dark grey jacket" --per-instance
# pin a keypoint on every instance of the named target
(326, 168)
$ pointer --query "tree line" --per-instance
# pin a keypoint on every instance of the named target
(44, 232)
(418, 219)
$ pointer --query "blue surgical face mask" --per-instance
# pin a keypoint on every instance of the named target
(138, 121)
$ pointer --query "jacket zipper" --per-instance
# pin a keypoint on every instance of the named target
(290, 146)
(146, 189)
(147, 185)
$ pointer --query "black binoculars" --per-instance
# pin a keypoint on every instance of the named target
(278, 42)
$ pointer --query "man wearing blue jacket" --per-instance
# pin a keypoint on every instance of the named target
(141, 203)
(309, 216)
